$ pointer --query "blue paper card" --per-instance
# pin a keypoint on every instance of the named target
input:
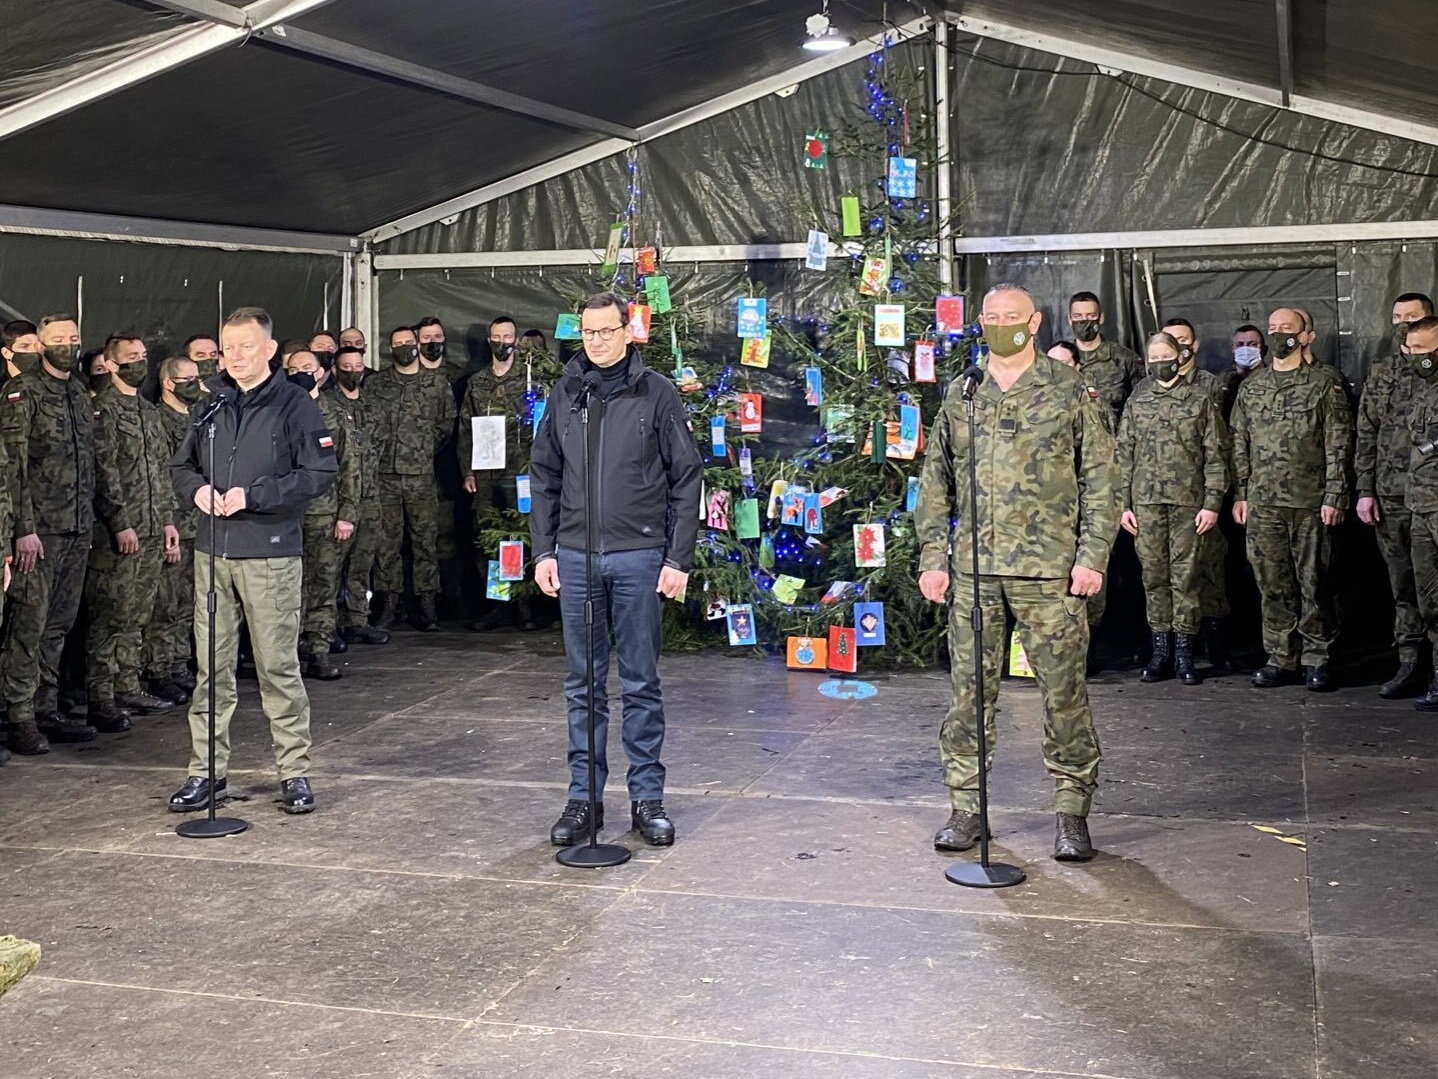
(753, 316)
(496, 587)
(911, 496)
(814, 386)
(566, 327)
(903, 177)
(741, 624)
(909, 424)
(716, 435)
(813, 515)
(521, 492)
(868, 624)
(539, 412)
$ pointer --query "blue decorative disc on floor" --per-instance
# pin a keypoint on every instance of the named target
(847, 689)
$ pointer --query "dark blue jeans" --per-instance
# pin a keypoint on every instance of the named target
(625, 601)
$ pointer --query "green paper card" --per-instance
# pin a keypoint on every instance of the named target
(566, 328)
(611, 250)
(746, 519)
(849, 204)
(786, 588)
(657, 289)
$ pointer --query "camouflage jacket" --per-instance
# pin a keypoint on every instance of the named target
(177, 426)
(363, 414)
(1385, 430)
(487, 394)
(1110, 373)
(1421, 492)
(1230, 382)
(48, 425)
(341, 501)
(132, 465)
(413, 416)
(1047, 481)
(1292, 432)
(1171, 448)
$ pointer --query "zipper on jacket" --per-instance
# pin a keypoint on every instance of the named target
(229, 478)
(598, 473)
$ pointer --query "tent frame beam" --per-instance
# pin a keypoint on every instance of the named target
(1114, 60)
(1283, 11)
(74, 224)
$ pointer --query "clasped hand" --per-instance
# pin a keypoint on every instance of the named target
(227, 503)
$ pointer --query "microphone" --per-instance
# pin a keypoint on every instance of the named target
(581, 401)
(972, 376)
(221, 402)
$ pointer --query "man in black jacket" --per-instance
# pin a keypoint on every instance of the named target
(647, 476)
(273, 454)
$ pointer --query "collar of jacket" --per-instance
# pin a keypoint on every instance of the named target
(574, 371)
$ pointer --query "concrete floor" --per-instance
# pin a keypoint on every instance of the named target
(417, 925)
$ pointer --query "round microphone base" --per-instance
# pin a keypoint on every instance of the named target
(600, 856)
(978, 875)
(212, 829)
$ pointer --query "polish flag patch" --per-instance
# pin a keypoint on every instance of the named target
(326, 442)
(16, 396)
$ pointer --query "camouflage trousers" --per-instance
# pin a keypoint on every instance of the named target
(1212, 581)
(169, 639)
(324, 557)
(409, 507)
(1397, 542)
(42, 607)
(1168, 549)
(358, 570)
(1054, 633)
(492, 491)
(121, 591)
(1289, 552)
(264, 593)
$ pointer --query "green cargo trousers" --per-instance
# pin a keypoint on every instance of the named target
(1053, 630)
(266, 594)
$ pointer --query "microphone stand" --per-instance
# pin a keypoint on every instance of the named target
(211, 827)
(594, 855)
(983, 873)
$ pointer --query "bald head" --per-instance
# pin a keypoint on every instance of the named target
(1286, 320)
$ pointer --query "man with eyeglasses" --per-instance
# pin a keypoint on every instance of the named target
(647, 476)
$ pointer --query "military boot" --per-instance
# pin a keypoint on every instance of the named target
(1183, 660)
(366, 635)
(1406, 682)
(1215, 644)
(1426, 703)
(58, 727)
(960, 832)
(184, 678)
(428, 621)
(321, 667)
(1160, 663)
(109, 717)
(25, 738)
(391, 604)
(144, 704)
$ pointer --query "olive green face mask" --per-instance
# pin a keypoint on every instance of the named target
(1283, 345)
(1426, 364)
(1007, 340)
(1164, 372)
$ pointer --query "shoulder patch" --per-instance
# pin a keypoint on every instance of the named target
(325, 442)
(15, 395)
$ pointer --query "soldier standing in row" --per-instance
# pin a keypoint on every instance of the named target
(47, 422)
(358, 570)
(1421, 489)
(134, 536)
(1172, 479)
(1047, 515)
(1292, 431)
(1384, 446)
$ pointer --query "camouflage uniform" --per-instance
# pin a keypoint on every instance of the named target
(1171, 464)
(414, 416)
(1381, 458)
(132, 490)
(323, 554)
(48, 427)
(1292, 431)
(489, 394)
(169, 641)
(358, 570)
(1212, 545)
(1048, 502)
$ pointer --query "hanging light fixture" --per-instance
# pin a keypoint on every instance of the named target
(822, 35)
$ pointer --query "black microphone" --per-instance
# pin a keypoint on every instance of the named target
(581, 401)
(972, 376)
(222, 401)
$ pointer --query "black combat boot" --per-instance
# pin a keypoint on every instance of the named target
(573, 823)
(1183, 660)
(366, 635)
(1160, 663)
(321, 667)
(390, 608)
(960, 832)
(1406, 682)
(428, 621)
(652, 822)
(25, 738)
(1215, 644)
(108, 717)
(1426, 703)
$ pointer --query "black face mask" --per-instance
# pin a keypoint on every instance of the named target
(189, 392)
(432, 350)
(1164, 370)
(63, 357)
(1085, 329)
(404, 355)
(349, 380)
(25, 362)
(501, 350)
(326, 360)
(1283, 345)
(98, 382)
(305, 380)
(1426, 364)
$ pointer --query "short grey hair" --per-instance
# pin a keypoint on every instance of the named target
(56, 316)
(1009, 286)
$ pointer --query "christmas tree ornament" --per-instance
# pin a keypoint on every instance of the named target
(716, 436)
(766, 552)
(813, 515)
(717, 608)
(639, 322)
(1018, 661)
(496, 587)
(836, 593)
(776, 499)
(829, 495)
(793, 511)
(816, 150)
(646, 261)
(521, 493)
(878, 442)
(843, 655)
(539, 407)
(611, 248)
(718, 515)
(911, 494)
(806, 654)
(875, 276)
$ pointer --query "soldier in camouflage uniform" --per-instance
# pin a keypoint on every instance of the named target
(329, 524)
(7, 523)
(204, 352)
(1381, 457)
(47, 422)
(1047, 516)
(20, 347)
(497, 389)
(1292, 432)
(358, 570)
(1421, 490)
(169, 641)
(134, 536)
(413, 416)
(1172, 478)
(1109, 373)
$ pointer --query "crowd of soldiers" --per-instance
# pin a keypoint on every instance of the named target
(98, 612)
(1273, 450)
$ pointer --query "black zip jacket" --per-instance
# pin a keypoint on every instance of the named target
(647, 469)
(272, 441)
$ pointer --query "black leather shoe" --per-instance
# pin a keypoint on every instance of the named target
(184, 678)
(338, 645)
(652, 822)
(144, 704)
(319, 666)
(366, 635)
(1319, 681)
(960, 833)
(573, 823)
(1268, 676)
(1071, 839)
(58, 727)
(25, 739)
(169, 690)
(298, 797)
(108, 717)
(195, 794)
(1407, 681)
(1426, 703)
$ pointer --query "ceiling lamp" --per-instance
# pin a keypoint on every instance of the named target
(822, 35)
